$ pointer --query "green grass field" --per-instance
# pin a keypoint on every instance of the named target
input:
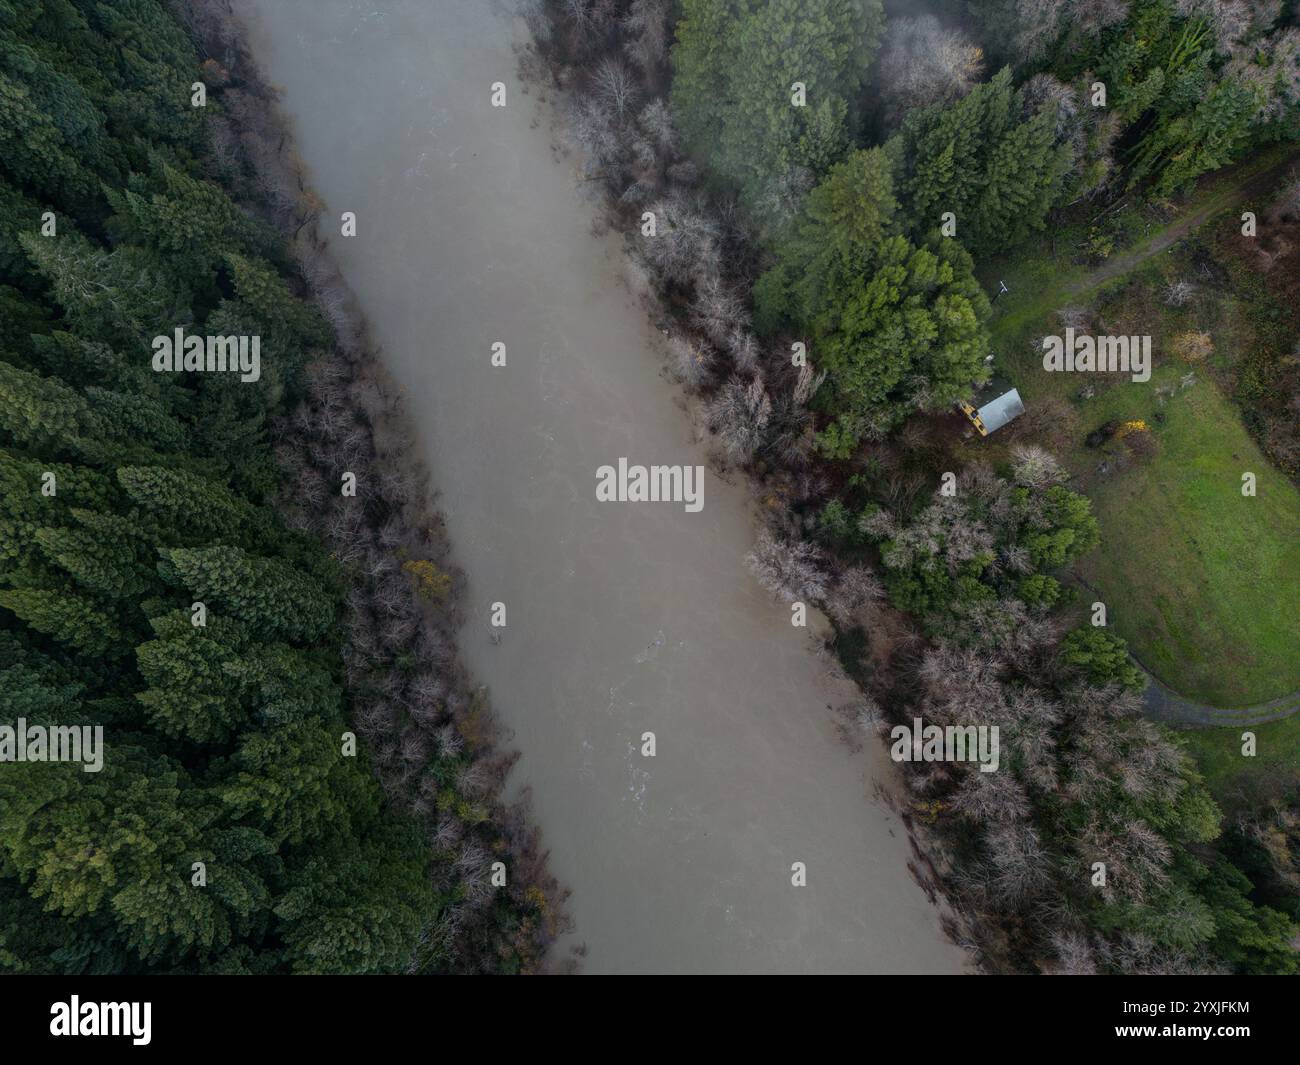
(1203, 582)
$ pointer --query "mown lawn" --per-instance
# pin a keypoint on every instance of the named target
(1202, 581)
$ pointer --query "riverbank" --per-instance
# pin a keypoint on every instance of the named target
(621, 619)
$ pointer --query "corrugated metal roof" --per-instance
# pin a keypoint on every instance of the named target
(997, 412)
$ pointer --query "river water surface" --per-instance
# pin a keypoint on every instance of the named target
(622, 618)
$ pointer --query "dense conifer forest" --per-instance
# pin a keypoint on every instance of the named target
(233, 575)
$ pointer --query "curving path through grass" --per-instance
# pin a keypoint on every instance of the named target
(1231, 190)
(1058, 289)
(1164, 704)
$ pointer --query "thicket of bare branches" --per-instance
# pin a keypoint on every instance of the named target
(1059, 738)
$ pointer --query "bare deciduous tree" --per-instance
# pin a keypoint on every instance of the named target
(1093, 16)
(717, 310)
(1035, 467)
(1018, 865)
(615, 87)
(691, 362)
(789, 569)
(990, 798)
(739, 414)
(742, 345)
(1074, 955)
(648, 31)
(685, 245)
(1039, 23)
(1231, 21)
(922, 62)
(856, 590)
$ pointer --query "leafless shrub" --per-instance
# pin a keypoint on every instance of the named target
(685, 246)
(691, 361)
(1179, 293)
(718, 310)
(856, 590)
(743, 348)
(789, 569)
(990, 798)
(1033, 467)
(739, 415)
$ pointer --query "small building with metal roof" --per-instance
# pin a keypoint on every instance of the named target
(992, 407)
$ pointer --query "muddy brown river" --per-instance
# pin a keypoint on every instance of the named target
(622, 618)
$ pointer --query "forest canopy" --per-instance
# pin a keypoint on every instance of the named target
(154, 586)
